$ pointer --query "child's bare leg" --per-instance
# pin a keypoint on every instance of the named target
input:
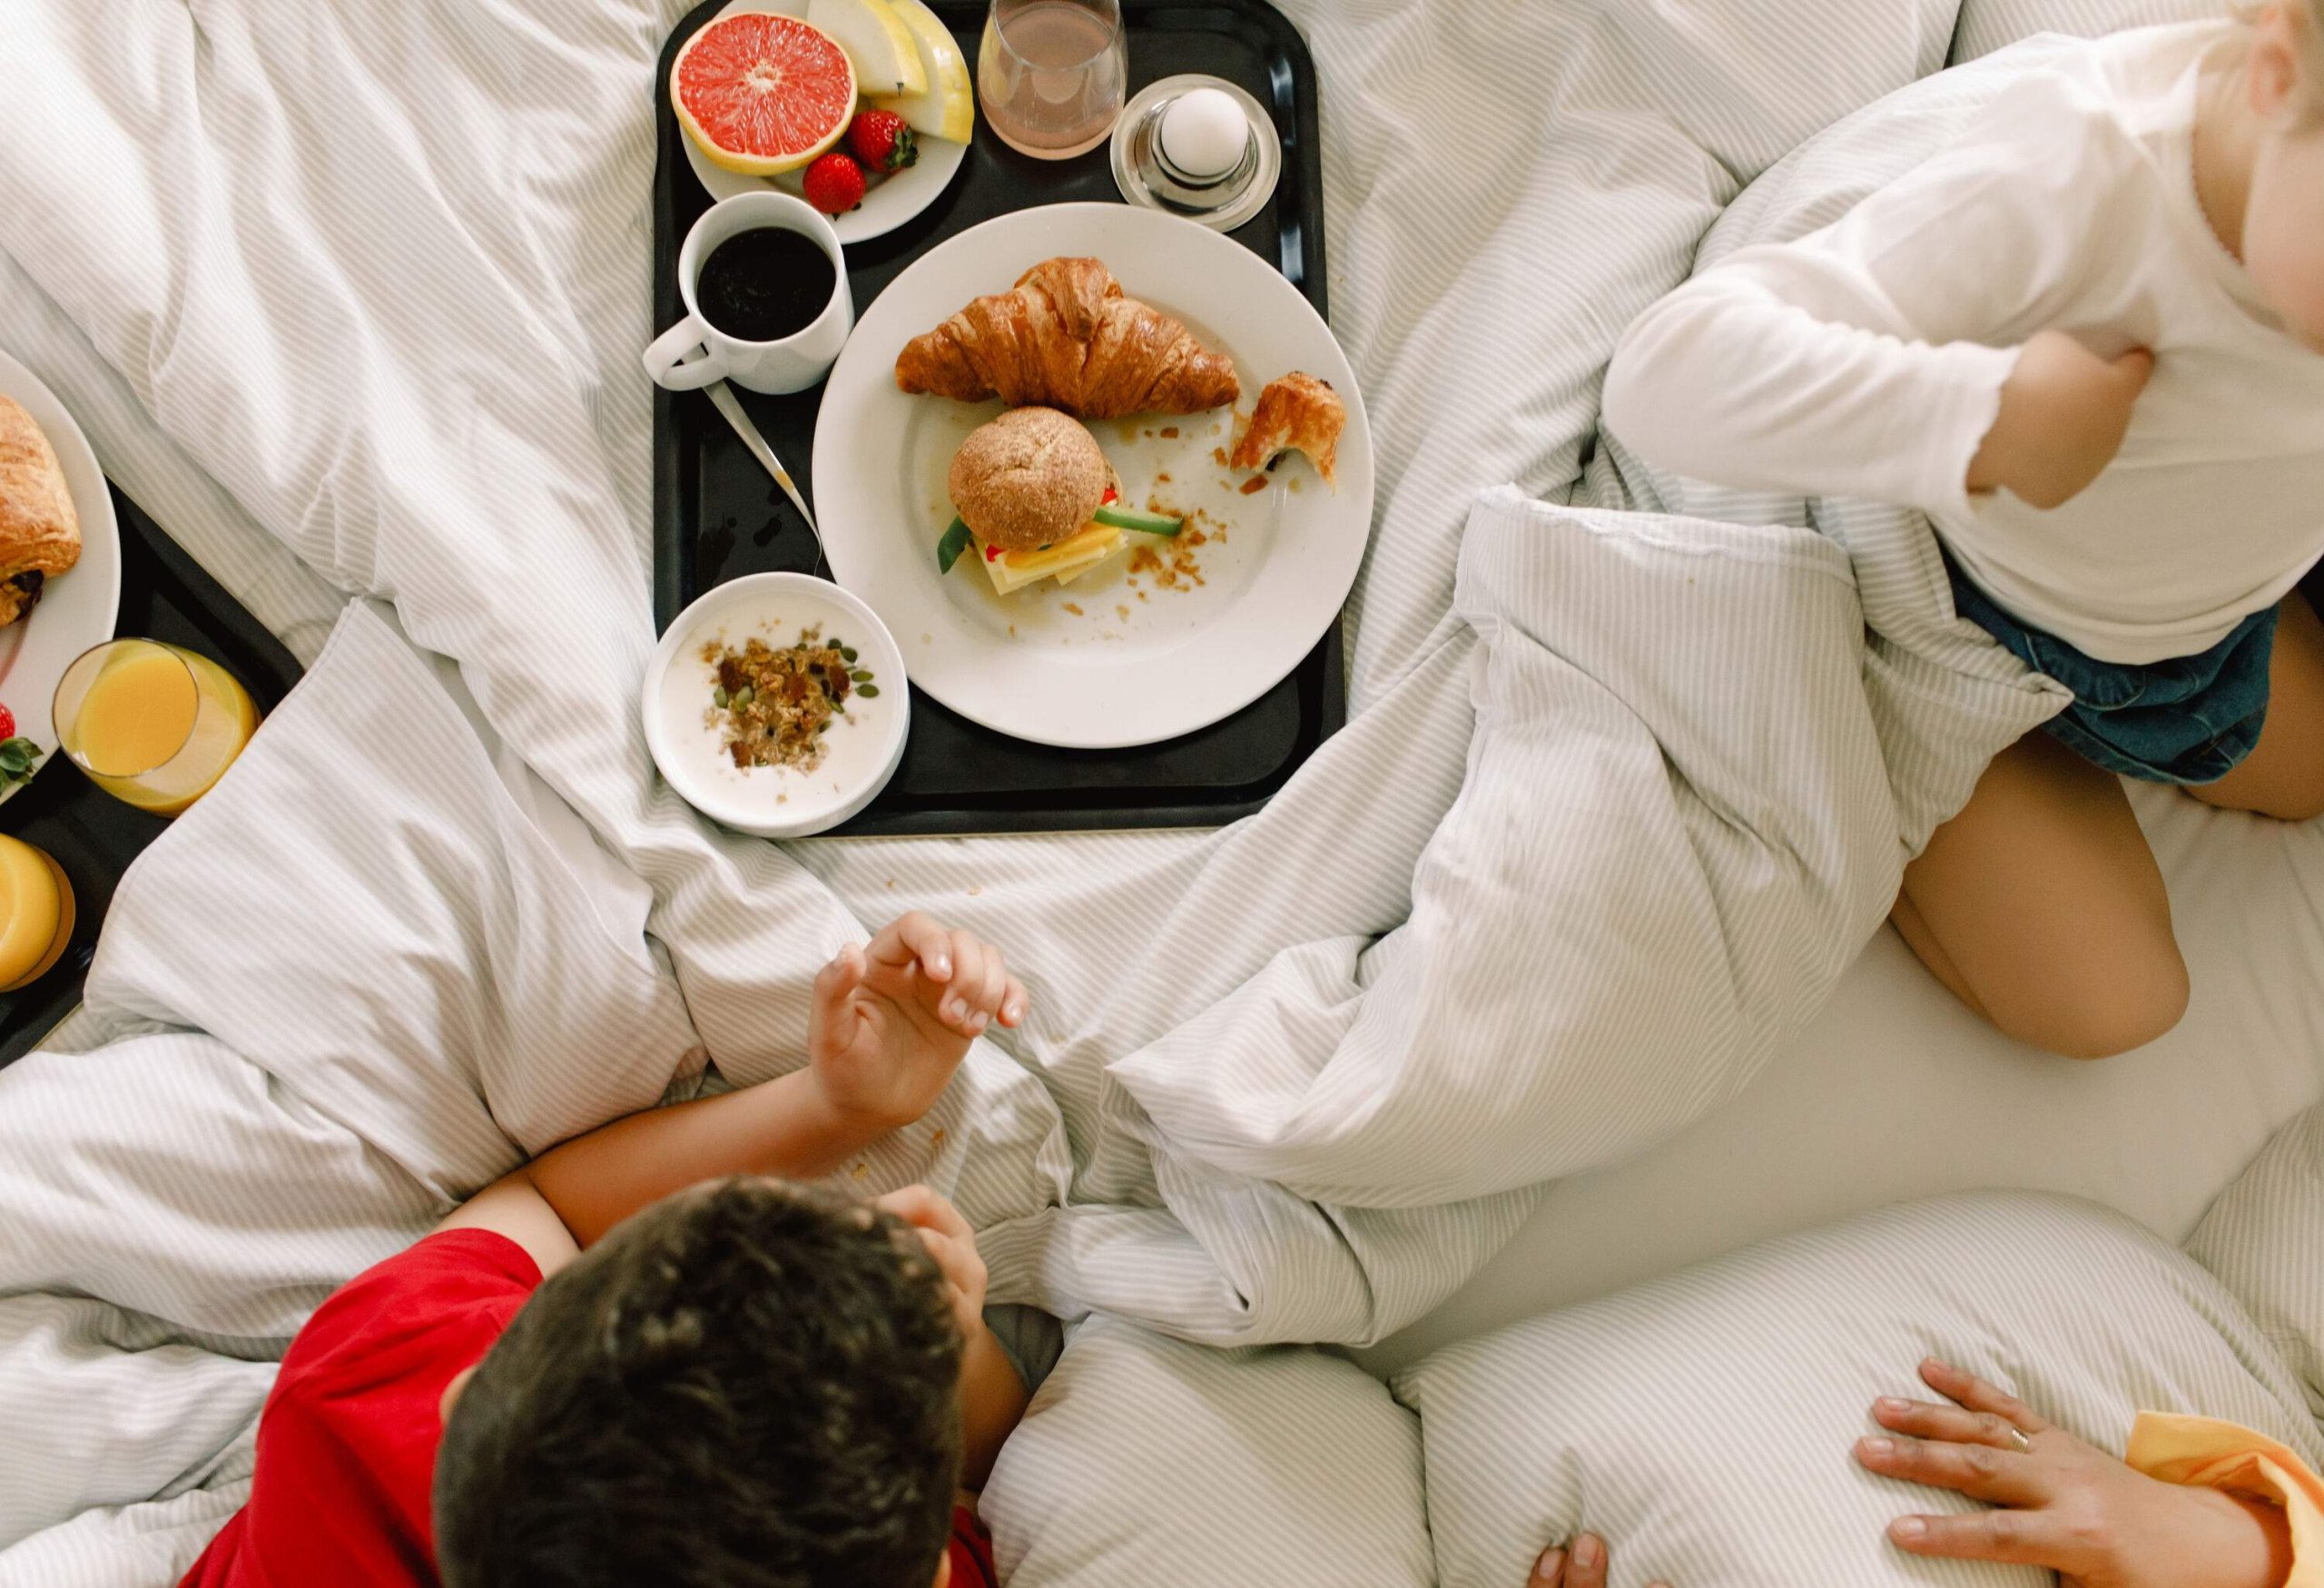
(2284, 774)
(2041, 907)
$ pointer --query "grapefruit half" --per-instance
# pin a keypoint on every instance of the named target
(761, 93)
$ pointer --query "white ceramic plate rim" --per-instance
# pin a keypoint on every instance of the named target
(1294, 598)
(77, 609)
(892, 201)
(686, 630)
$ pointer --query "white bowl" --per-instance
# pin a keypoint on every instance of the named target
(861, 752)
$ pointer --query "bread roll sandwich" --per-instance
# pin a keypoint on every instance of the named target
(1037, 500)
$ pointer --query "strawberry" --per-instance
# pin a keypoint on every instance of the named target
(7, 722)
(882, 141)
(834, 184)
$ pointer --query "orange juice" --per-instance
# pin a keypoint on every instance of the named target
(152, 724)
(35, 914)
(139, 713)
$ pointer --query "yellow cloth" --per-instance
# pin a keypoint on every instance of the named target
(2205, 1453)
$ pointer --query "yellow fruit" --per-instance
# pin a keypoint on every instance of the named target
(948, 108)
(887, 62)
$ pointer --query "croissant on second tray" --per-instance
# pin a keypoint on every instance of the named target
(1065, 337)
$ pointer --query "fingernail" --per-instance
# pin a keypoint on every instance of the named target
(942, 965)
(1888, 1404)
(976, 1026)
(1880, 1448)
(1550, 1566)
(1013, 1014)
(1586, 1551)
(1909, 1527)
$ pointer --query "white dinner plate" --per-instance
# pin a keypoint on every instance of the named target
(1125, 655)
(890, 202)
(76, 609)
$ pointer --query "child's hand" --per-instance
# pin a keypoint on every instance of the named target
(892, 1021)
(2064, 411)
(952, 1243)
(2060, 1503)
(992, 1394)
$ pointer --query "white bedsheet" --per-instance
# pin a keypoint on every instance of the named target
(370, 278)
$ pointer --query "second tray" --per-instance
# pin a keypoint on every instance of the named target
(717, 515)
(165, 595)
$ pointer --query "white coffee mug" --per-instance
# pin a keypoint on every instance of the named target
(794, 363)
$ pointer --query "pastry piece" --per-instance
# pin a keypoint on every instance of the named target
(1297, 412)
(1065, 337)
(40, 533)
(1028, 479)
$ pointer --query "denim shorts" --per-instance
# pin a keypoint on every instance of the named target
(2186, 719)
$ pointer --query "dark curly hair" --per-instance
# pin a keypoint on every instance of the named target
(746, 1385)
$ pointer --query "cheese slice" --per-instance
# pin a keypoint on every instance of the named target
(1063, 561)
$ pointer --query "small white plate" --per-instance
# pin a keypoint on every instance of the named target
(76, 609)
(1120, 657)
(859, 752)
(891, 200)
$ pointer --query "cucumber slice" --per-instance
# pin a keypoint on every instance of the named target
(949, 550)
(1143, 523)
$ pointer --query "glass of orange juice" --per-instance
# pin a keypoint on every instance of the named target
(35, 914)
(152, 725)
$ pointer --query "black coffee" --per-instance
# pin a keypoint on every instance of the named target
(764, 285)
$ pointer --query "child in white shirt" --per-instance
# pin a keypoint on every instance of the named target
(2088, 341)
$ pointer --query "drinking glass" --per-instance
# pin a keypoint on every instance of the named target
(35, 914)
(152, 725)
(1051, 74)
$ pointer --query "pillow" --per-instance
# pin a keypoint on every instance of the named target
(1144, 1459)
(1702, 1423)
(2264, 1237)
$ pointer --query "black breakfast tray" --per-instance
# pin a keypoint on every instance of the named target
(164, 595)
(717, 515)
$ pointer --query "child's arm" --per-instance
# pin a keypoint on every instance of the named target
(1903, 354)
(890, 1023)
(992, 1394)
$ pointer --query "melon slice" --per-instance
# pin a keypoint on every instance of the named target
(887, 62)
(946, 110)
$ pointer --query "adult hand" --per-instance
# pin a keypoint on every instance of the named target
(2064, 411)
(892, 1021)
(1581, 1566)
(2060, 1503)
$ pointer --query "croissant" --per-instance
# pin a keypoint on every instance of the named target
(1065, 337)
(40, 532)
(1298, 412)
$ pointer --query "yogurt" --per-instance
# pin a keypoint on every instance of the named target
(860, 750)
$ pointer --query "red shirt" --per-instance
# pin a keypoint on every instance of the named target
(347, 1444)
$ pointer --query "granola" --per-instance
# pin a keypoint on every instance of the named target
(770, 705)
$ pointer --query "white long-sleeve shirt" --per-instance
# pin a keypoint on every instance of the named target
(1866, 359)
